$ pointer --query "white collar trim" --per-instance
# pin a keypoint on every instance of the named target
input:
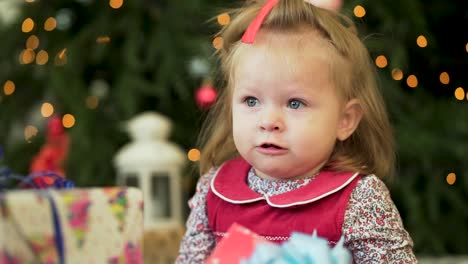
(316, 198)
(267, 198)
(227, 199)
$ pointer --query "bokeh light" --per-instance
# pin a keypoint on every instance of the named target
(47, 109)
(103, 39)
(9, 87)
(224, 19)
(65, 18)
(412, 81)
(421, 41)
(28, 25)
(460, 93)
(381, 61)
(42, 57)
(30, 132)
(444, 78)
(194, 155)
(27, 56)
(359, 11)
(218, 43)
(61, 57)
(50, 24)
(92, 102)
(68, 121)
(32, 42)
(397, 74)
(116, 3)
(451, 178)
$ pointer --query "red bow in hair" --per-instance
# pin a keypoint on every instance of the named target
(251, 32)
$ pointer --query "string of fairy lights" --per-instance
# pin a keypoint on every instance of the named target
(31, 54)
(381, 61)
(411, 79)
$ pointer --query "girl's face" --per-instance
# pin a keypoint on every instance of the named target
(287, 114)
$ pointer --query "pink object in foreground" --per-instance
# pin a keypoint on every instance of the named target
(239, 238)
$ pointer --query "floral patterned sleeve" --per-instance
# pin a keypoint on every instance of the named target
(198, 241)
(373, 228)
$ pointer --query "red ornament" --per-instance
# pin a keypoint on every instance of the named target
(54, 128)
(53, 154)
(205, 96)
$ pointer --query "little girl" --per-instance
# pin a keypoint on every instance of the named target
(299, 138)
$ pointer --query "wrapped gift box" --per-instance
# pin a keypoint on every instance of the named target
(93, 225)
(238, 244)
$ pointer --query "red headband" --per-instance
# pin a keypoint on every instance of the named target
(251, 32)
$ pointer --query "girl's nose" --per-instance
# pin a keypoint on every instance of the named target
(271, 121)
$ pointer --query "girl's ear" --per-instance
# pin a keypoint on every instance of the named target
(351, 116)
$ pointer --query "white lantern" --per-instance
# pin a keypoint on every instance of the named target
(154, 165)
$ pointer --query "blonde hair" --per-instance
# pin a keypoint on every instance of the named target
(370, 149)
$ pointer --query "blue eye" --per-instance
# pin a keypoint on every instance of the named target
(251, 101)
(294, 104)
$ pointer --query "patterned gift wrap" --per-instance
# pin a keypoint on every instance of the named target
(94, 225)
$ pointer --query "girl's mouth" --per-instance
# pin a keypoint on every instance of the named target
(271, 149)
(270, 146)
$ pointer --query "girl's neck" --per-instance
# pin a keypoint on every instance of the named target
(311, 174)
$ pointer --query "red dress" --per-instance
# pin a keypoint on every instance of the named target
(319, 205)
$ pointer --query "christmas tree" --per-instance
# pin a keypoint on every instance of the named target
(101, 62)
(96, 64)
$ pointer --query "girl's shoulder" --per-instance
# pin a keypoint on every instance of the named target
(372, 183)
(370, 188)
(201, 190)
(206, 178)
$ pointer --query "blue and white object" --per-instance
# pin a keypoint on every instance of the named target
(301, 249)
